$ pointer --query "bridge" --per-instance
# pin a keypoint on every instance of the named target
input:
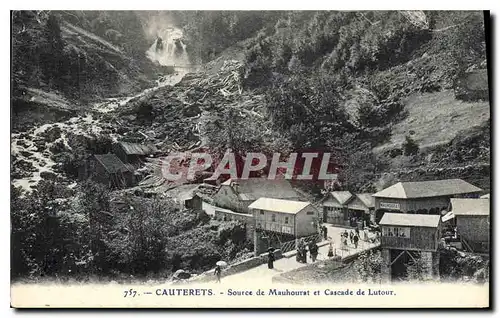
(262, 274)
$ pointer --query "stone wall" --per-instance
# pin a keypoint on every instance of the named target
(234, 268)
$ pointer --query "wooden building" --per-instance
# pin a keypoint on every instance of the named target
(237, 195)
(335, 207)
(110, 170)
(424, 197)
(407, 237)
(134, 153)
(283, 220)
(362, 207)
(185, 195)
(472, 217)
(340, 206)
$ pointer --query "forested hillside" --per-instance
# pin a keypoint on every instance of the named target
(390, 92)
(80, 56)
(344, 78)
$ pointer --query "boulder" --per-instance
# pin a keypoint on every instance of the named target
(48, 175)
(181, 274)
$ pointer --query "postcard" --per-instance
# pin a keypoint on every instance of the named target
(250, 159)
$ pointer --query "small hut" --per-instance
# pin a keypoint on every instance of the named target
(110, 170)
(133, 153)
(473, 223)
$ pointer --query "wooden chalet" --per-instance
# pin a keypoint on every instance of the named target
(237, 195)
(472, 219)
(424, 197)
(340, 206)
(283, 220)
(406, 237)
(133, 153)
(110, 170)
(335, 207)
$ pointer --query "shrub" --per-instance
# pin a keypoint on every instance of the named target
(410, 147)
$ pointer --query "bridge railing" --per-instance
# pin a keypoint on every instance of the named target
(291, 245)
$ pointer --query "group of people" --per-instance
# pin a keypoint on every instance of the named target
(302, 250)
(353, 236)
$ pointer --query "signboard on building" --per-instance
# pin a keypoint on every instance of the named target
(389, 206)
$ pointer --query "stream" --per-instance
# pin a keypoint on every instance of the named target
(32, 151)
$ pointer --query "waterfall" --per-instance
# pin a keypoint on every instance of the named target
(168, 49)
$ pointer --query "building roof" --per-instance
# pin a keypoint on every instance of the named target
(486, 196)
(255, 188)
(182, 192)
(427, 189)
(278, 205)
(419, 220)
(470, 206)
(138, 149)
(341, 196)
(367, 199)
(111, 163)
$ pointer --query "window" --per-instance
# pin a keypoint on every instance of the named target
(273, 218)
(391, 231)
(262, 212)
(286, 219)
(310, 213)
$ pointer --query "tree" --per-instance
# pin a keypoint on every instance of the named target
(416, 269)
(369, 266)
(41, 238)
(139, 238)
(52, 55)
(93, 204)
(410, 147)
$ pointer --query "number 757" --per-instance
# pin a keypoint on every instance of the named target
(130, 293)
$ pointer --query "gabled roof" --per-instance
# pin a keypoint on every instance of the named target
(278, 205)
(427, 189)
(138, 149)
(367, 199)
(418, 220)
(182, 192)
(342, 197)
(111, 163)
(254, 188)
(470, 206)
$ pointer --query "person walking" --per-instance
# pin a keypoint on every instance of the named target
(357, 230)
(351, 236)
(313, 250)
(345, 234)
(325, 233)
(270, 260)
(304, 254)
(355, 239)
(218, 273)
